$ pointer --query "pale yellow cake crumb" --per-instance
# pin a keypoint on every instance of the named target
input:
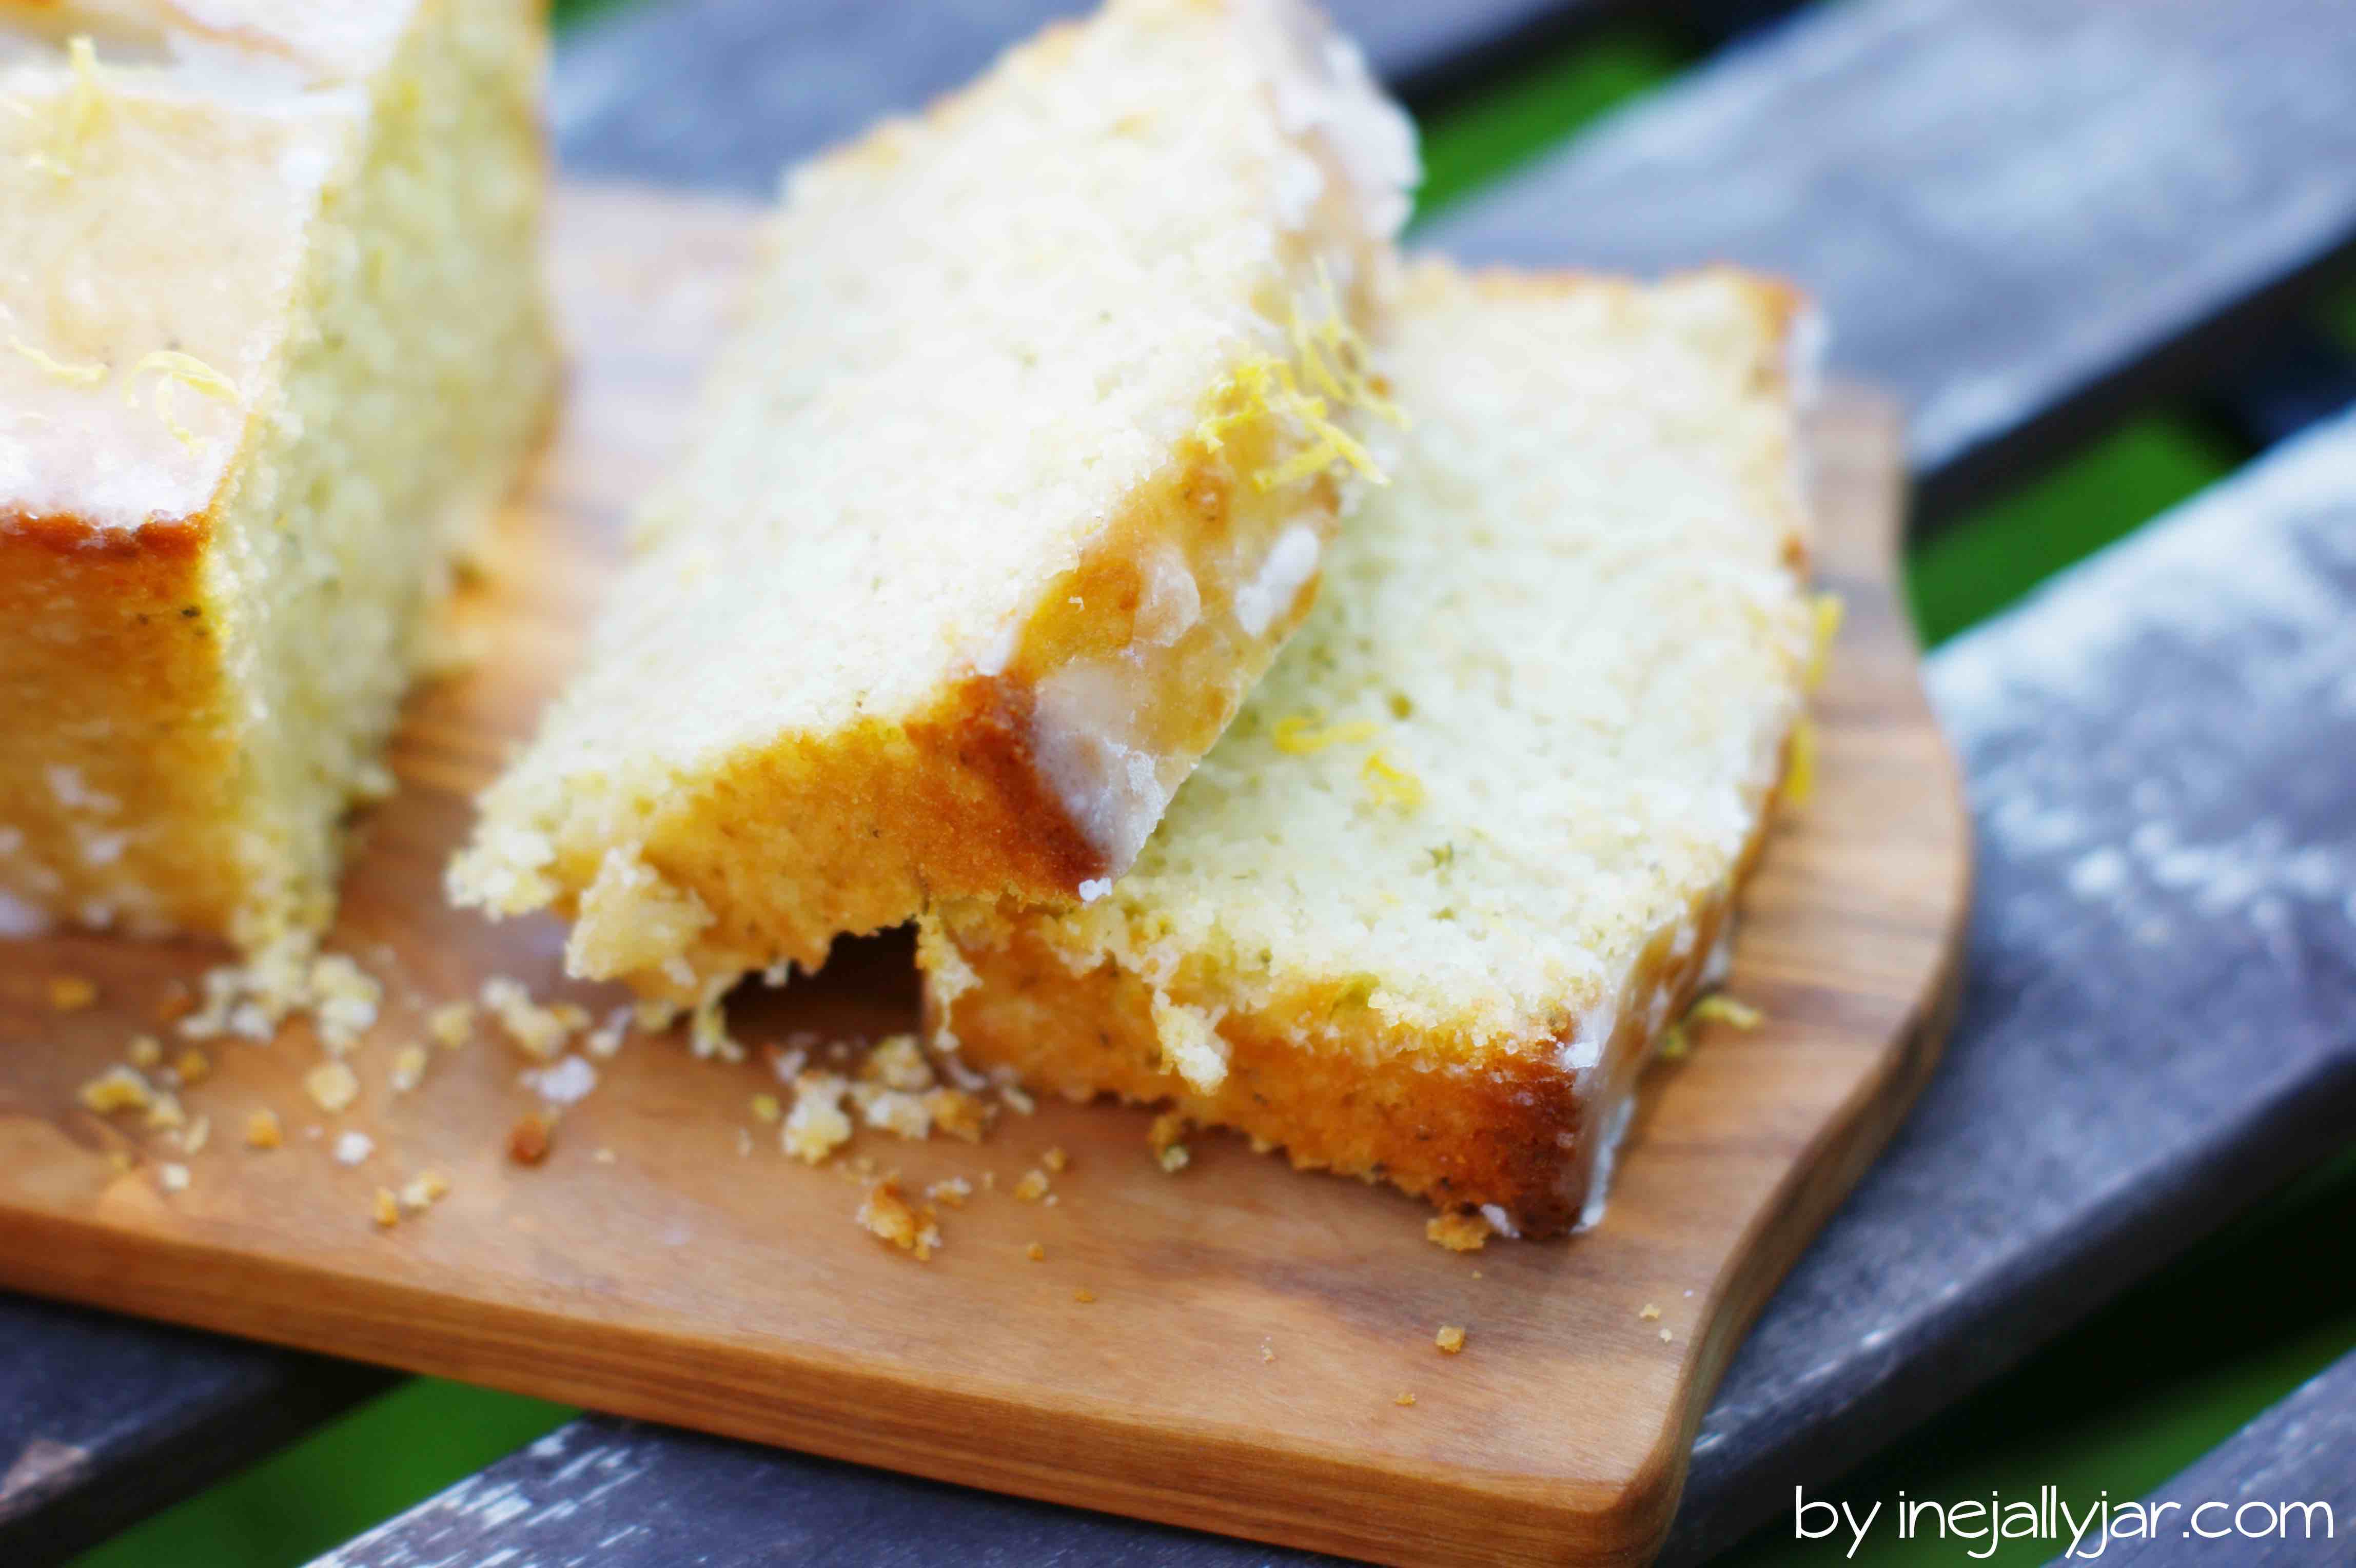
(1720, 1009)
(1404, 1399)
(166, 1111)
(898, 1062)
(1458, 1232)
(1650, 1312)
(1033, 1186)
(385, 1208)
(1056, 1159)
(1084, 1295)
(1450, 1339)
(538, 1032)
(193, 1065)
(117, 1089)
(261, 1130)
(1173, 1158)
(817, 1125)
(172, 1177)
(1036, 1252)
(200, 1133)
(332, 1085)
(951, 1191)
(766, 1109)
(408, 1068)
(452, 1025)
(71, 992)
(425, 1190)
(145, 1052)
(958, 1113)
(1666, 1337)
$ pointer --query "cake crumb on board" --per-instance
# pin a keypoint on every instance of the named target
(888, 1214)
(261, 1131)
(1450, 1339)
(332, 1085)
(528, 1140)
(71, 994)
(1458, 1232)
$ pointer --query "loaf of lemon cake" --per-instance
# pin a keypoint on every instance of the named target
(1466, 853)
(271, 342)
(1021, 468)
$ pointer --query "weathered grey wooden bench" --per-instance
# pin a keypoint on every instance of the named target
(2028, 217)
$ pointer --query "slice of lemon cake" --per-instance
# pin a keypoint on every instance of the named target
(270, 343)
(1018, 471)
(1467, 850)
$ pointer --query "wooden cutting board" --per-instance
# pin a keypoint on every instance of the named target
(1228, 1347)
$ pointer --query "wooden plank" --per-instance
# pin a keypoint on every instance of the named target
(2023, 216)
(2162, 969)
(2303, 1451)
(105, 1420)
(724, 93)
(2152, 1033)
(1241, 1320)
(619, 1494)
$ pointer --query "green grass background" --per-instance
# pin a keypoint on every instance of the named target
(2121, 1403)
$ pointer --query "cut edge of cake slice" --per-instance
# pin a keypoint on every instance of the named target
(817, 702)
(1428, 909)
(238, 462)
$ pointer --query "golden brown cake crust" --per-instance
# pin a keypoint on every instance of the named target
(1513, 1129)
(814, 836)
(123, 684)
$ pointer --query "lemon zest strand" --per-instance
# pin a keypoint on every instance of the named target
(172, 368)
(88, 375)
(1297, 736)
(1390, 786)
(1800, 768)
(1826, 610)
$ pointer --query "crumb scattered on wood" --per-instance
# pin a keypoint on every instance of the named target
(386, 1208)
(1036, 1252)
(528, 1140)
(1666, 1337)
(71, 992)
(1033, 1186)
(1056, 1159)
(1404, 1399)
(452, 1025)
(1458, 1232)
(1084, 1295)
(117, 1089)
(332, 1085)
(767, 1109)
(172, 1177)
(887, 1213)
(1720, 1008)
(194, 1067)
(145, 1052)
(1450, 1339)
(1175, 1158)
(261, 1131)
(950, 1191)
(408, 1069)
(1650, 1312)
(425, 1190)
